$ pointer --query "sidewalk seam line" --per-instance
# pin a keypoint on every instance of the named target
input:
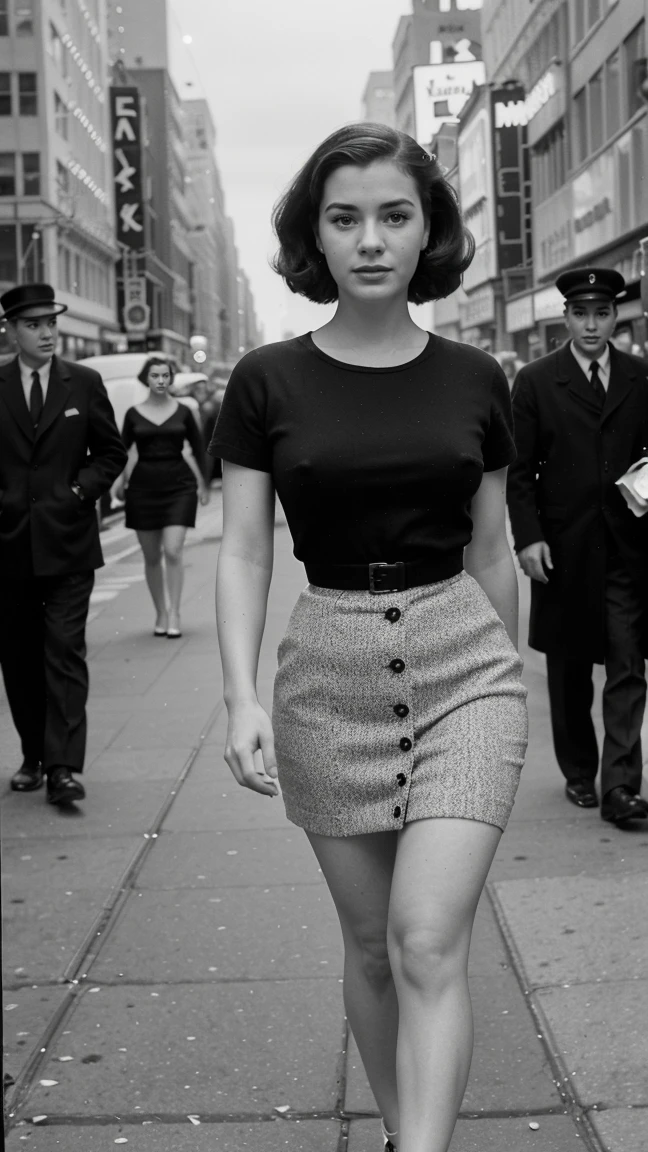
(543, 1030)
(107, 917)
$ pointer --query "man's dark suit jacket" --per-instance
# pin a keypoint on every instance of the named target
(561, 489)
(45, 529)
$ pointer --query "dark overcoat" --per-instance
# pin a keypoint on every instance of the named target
(45, 529)
(561, 489)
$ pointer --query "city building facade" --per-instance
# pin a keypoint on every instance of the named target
(583, 69)
(56, 199)
(378, 99)
(186, 257)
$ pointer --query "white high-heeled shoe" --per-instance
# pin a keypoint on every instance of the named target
(388, 1138)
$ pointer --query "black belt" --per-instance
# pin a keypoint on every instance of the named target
(382, 577)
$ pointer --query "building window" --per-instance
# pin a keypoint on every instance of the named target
(580, 126)
(5, 94)
(579, 20)
(4, 18)
(549, 166)
(62, 182)
(612, 94)
(27, 94)
(8, 253)
(593, 12)
(60, 116)
(7, 174)
(31, 173)
(595, 94)
(634, 64)
(25, 18)
(57, 51)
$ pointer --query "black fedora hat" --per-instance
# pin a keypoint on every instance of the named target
(16, 300)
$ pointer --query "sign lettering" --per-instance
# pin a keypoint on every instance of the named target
(126, 119)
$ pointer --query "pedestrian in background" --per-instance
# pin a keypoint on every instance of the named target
(399, 716)
(581, 420)
(60, 451)
(162, 483)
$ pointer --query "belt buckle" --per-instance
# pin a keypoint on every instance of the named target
(385, 577)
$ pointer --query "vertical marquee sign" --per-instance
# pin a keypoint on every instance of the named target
(509, 145)
(126, 121)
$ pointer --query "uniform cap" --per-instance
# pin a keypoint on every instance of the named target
(590, 284)
(24, 296)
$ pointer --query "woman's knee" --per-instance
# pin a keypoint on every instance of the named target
(173, 554)
(426, 956)
(368, 947)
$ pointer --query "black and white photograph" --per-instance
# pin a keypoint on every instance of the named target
(324, 575)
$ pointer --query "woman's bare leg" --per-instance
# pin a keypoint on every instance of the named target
(441, 867)
(358, 871)
(151, 545)
(173, 539)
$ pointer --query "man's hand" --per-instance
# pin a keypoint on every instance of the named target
(534, 559)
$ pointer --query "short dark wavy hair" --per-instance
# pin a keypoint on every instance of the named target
(450, 247)
(150, 363)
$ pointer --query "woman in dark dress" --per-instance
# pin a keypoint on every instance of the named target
(399, 718)
(162, 486)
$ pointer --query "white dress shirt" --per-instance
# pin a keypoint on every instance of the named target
(26, 375)
(603, 363)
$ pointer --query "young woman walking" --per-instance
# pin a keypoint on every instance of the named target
(161, 488)
(399, 719)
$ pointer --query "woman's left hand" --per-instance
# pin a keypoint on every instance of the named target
(204, 496)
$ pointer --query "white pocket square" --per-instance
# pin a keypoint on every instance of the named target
(71, 411)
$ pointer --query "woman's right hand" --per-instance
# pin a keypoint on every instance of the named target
(249, 749)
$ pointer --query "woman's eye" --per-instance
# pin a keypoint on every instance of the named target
(397, 217)
(343, 220)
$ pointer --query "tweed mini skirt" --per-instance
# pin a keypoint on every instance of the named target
(398, 707)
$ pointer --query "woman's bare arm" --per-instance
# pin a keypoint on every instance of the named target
(242, 584)
(488, 556)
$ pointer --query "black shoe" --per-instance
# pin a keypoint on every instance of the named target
(28, 778)
(582, 794)
(621, 804)
(62, 788)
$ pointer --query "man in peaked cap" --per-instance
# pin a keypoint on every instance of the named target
(59, 452)
(581, 420)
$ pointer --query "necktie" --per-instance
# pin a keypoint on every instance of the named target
(36, 399)
(598, 389)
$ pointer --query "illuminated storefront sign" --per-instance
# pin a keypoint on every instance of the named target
(509, 138)
(126, 119)
(519, 314)
(553, 232)
(540, 94)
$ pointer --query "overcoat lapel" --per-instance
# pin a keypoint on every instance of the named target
(14, 397)
(570, 373)
(58, 392)
(622, 380)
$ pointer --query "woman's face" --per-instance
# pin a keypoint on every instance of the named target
(159, 379)
(371, 229)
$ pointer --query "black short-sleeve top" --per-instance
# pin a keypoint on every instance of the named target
(370, 464)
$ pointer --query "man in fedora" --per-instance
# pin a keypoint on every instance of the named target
(59, 452)
(581, 420)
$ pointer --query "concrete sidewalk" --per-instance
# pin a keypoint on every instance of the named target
(172, 957)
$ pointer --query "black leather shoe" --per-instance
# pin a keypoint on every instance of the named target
(62, 788)
(582, 794)
(28, 778)
(621, 804)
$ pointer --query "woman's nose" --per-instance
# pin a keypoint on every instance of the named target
(371, 240)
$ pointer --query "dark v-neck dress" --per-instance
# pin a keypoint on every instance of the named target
(162, 490)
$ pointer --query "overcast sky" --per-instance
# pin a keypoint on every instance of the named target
(279, 75)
